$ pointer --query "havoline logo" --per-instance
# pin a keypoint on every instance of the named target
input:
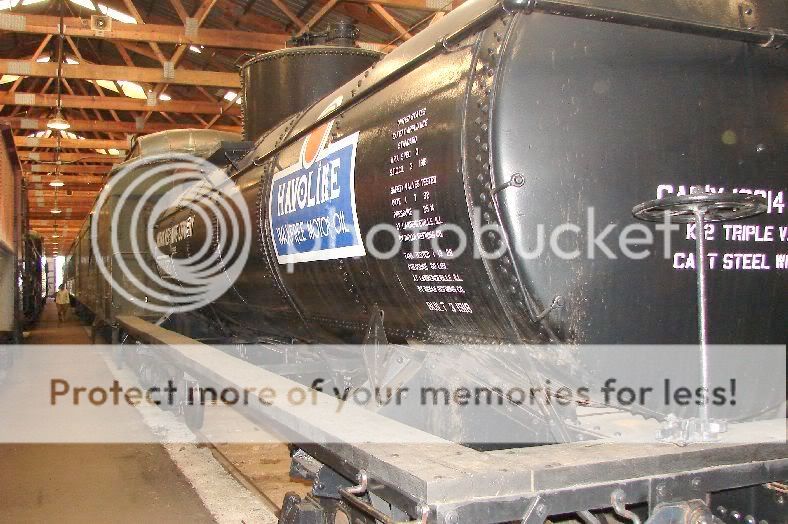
(312, 209)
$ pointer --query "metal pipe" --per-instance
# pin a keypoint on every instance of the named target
(700, 263)
(363, 479)
(772, 38)
(349, 496)
(617, 500)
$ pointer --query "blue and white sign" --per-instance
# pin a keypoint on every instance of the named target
(312, 208)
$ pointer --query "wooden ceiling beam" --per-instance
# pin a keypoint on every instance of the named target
(66, 205)
(69, 157)
(289, 14)
(421, 5)
(211, 124)
(41, 210)
(44, 209)
(81, 217)
(233, 15)
(76, 197)
(77, 200)
(39, 222)
(179, 10)
(70, 184)
(387, 17)
(436, 18)
(68, 143)
(69, 210)
(98, 88)
(40, 214)
(362, 14)
(106, 126)
(35, 56)
(44, 214)
(202, 12)
(140, 50)
(117, 103)
(72, 223)
(323, 11)
(82, 169)
(138, 17)
(153, 33)
(78, 187)
(134, 74)
(71, 231)
(65, 232)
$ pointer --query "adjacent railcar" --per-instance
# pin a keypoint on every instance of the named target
(11, 243)
(22, 263)
(96, 298)
(33, 284)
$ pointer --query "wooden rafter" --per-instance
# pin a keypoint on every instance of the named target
(84, 169)
(117, 103)
(200, 16)
(98, 88)
(421, 5)
(106, 126)
(323, 11)
(289, 14)
(155, 33)
(134, 74)
(68, 157)
(402, 31)
(68, 143)
(33, 58)
(436, 17)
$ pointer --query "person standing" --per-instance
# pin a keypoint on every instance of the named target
(63, 302)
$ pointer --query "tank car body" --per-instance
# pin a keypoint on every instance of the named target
(501, 123)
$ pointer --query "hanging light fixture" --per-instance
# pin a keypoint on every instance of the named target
(55, 210)
(57, 181)
(58, 122)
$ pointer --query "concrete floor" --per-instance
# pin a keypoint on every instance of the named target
(86, 482)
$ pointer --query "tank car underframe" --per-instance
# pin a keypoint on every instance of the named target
(439, 481)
